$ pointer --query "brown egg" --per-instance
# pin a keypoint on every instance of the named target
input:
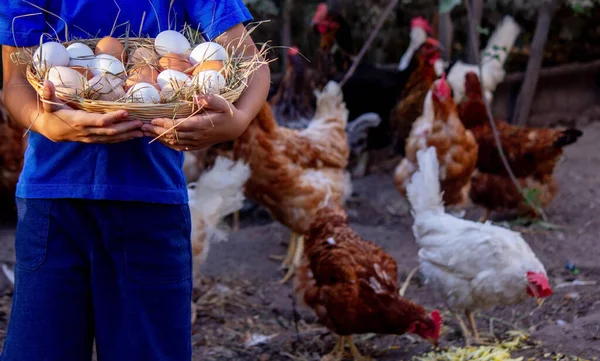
(208, 65)
(86, 72)
(175, 61)
(143, 56)
(111, 46)
(143, 74)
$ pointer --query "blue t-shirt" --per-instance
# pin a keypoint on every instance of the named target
(128, 171)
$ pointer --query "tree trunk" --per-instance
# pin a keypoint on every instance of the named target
(473, 39)
(446, 33)
(286, 31)
(534, 65)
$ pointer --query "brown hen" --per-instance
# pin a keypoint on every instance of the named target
(352, 286)
(295, 172)
(294, 102)
(532, 154)
(456, 147)
(410, 106)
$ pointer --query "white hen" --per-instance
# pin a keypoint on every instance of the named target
(493, 58)
(217, 193)
(471, 265)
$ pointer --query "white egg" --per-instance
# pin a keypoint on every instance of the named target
(167, 91)
(66, 80)
(143, 93)
(208, 51)
(173, 77)
(171, 41)
(104, 63)
(80, 55)
(107, 87)
(209, 81)
(50, 54)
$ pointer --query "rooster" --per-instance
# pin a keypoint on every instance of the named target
(370, 89)
(295, 172)
(336, 49)
(217, 193)
(532, 154)
(471, 265)
(352, 286)
(410, 106)
(294, 102)
(440, 126)
(492, 63)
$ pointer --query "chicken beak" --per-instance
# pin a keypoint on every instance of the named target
(539, 301)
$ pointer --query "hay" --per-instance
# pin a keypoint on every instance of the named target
(500, 352)
(180, 104)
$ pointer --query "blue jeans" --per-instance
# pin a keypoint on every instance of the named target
(118, 273)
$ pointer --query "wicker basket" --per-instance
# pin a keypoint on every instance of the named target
(236, 80)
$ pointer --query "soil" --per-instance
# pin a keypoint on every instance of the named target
(244, 314)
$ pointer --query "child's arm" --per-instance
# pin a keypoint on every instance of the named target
(229, 120)
(58, 122)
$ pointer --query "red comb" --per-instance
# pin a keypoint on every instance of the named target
(438, 320)
(541, 281)
(432, 41)
(441, 88)
(321, 13)
(421, 22)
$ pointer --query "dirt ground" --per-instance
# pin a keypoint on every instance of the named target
(244, 314)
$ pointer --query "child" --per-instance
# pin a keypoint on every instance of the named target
(103, 237)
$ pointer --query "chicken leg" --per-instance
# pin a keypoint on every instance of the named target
(297, 257)
(474, 332)
(194, 312)
(236, 221)
(356, 356)
(464, 330)
(287, 259)
(337, 354)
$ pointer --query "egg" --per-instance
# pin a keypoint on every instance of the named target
(66, 80)
(80, 55)
(209, 81)
(106, 87)
(171, 41)
(86, 72)
(142, 56)
(143, 93)
(167, 91)
(208, 51)
(208, 65)
(104, 63)
(173, 77)
(111, 46)
(50, 54)
(143, 74)
(175, 61)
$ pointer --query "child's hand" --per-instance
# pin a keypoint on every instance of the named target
(220, 122)
(61, 123)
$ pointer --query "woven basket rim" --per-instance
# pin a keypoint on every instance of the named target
(180, 106)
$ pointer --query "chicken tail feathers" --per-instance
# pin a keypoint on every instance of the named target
(358, 130)
(567, 137)
(423, 191)
(502, 41)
